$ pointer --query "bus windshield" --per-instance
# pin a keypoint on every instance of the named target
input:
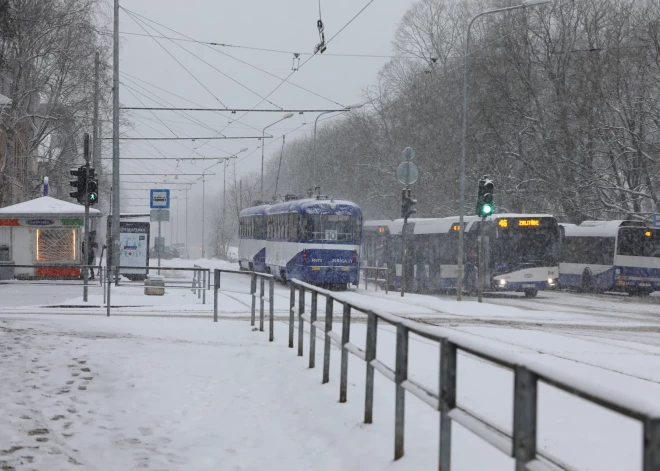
(517, 246)
(639, 242)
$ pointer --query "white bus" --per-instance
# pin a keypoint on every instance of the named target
(610, 256)
(521, 252)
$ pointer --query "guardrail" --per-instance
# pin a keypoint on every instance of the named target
(217, 281)
(386, 278)
(521, 445)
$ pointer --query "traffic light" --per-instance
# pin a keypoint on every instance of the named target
(79, 184)
(92, 191)
(407, 203)
(485, 206)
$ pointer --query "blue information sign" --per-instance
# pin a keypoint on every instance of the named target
(656, 220)
(160, 199)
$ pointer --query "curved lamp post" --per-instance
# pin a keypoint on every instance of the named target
(348, 108)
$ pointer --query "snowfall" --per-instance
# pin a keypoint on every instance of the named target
(159, 386)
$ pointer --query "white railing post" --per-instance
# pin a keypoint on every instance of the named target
(370, 354)
(292, 307)
(329, 303)
(301, 322)
(312, 330)
(447, 400)
(400, 375)
(345, 338)
(524, 417)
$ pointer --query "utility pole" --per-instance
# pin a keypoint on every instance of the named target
(115, 141)
(203, 204)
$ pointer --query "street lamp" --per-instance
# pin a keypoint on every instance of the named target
(224, 184)
(461, 209)
(263, 144)
(348, 108)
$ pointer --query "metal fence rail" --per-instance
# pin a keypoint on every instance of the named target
(254, 276)
(521, 445)
(376, 279)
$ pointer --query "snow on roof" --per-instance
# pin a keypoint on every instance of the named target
(46, 206)
(4, 100)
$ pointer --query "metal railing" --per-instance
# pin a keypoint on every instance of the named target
(375, 280)
(262, 277)
(521, 445)
(199, 282)
(50, 279)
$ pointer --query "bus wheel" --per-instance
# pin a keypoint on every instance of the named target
(531, 292)
(586, 281)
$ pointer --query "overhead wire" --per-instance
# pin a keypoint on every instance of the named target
(239, 60)
(205, 62)
(265, 49)
(175, 59)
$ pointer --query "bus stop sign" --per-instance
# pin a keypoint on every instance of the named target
(159, 199)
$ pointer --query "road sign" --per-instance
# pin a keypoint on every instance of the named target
(160, 199)
(656, 220)
(407, 173)
(160, 215)
(408, 153)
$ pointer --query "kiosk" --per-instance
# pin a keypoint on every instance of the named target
(44, 231)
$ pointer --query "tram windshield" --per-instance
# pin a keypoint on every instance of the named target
(639, 242)
(332, 227)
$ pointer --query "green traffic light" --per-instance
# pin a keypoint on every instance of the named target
(486, 209)
(93, 197)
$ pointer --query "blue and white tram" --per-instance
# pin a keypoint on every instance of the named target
(313, 240)
(522, 252)
(610, 255)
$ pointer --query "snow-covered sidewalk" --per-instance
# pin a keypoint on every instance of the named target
(97, 393)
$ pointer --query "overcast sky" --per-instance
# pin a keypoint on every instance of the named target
(224, 81)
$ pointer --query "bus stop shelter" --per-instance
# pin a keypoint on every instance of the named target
(43, 231)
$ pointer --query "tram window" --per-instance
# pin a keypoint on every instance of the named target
(293, 226)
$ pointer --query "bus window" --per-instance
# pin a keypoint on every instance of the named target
(639, 242)
(588, 250)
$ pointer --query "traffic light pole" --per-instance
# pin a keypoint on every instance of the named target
(87, 234)
(482, 260)
(403, 257)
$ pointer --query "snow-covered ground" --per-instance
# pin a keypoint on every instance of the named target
(159, 386)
